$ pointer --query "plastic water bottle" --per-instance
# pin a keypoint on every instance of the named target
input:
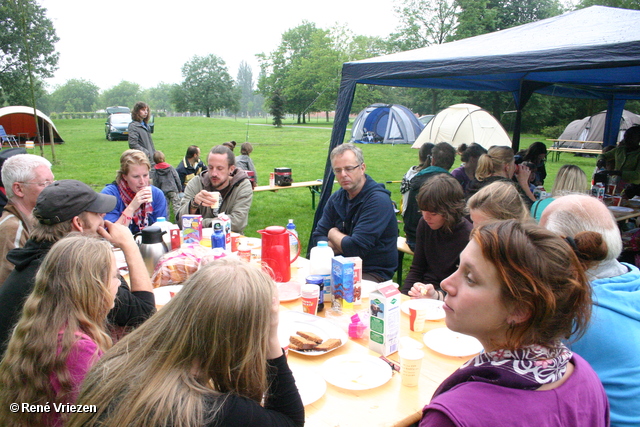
(165, 226)
(218, 238)
(320, 264)
(293, 242)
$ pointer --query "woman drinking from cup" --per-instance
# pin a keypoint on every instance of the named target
(61, 333)
(139, 203)
(210, 357)
(520, 290)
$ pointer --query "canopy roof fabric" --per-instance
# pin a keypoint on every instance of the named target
(464, 124)
(19, 120)
(590, 53)
(386, 124)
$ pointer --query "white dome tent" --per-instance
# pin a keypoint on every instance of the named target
(464, 124)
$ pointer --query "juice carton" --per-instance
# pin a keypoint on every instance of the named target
(357, 279)
(341, 283)
(226, 226)
(384, 320)
(191, 228)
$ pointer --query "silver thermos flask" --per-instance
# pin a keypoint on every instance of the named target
(152, 247)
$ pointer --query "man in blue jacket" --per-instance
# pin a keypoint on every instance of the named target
(359, 220)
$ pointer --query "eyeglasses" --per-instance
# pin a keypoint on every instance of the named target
(39, 184)
(347, 169)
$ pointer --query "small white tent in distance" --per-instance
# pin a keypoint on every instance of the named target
(591, 129)
(386, 124)
(464, 124)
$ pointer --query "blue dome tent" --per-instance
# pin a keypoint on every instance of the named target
(386, 124)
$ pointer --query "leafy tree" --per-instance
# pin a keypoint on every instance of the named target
(250, 102)
(424, 23)
(27, 40)
(75, 95)
(124, 93)
(159, 97)
(277, 108)
(208, 86)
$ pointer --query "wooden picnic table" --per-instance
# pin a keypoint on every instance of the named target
(315, 187)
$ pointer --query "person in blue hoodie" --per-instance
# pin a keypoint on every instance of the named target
(610, 343)
(359, 219)
(442, 157)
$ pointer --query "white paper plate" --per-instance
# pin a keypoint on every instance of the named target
(293, 321)
(310, 385)
(435, 312)
(356, 371)
(289, 291)
(163, 293)
(620, 209)
(449, 343)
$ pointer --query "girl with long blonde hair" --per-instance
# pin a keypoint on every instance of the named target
(211, 356)
(61, 332)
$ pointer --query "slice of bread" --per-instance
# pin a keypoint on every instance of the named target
(310, 336)
(301, 343)
(329, 344)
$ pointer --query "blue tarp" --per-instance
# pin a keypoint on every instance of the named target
(591, 53)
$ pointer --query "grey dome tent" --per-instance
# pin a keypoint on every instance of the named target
(591, 53)
(386, 124)
(591, 128)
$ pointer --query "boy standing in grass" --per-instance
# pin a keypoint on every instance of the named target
(166, 178)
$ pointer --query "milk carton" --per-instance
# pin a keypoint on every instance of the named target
(341, 283)
(191, 228)
(357, 279)
(384, 320)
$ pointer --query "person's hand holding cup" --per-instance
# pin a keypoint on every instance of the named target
(210, 198)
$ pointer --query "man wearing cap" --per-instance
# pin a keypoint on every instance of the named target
(64, 207)
(24, 177)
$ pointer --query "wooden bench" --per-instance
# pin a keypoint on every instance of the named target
(557, 151)
(403, 248)
(314, 187)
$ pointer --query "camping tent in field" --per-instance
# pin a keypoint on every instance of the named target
(591, 53)
(386, 124)
(464, 124)
(18, 120)
(591, 128)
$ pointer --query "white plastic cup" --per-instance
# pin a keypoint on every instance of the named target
(417, 314)
(310, 294)
(410, 366)
(150, 200)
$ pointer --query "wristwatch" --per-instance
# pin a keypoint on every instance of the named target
(194, 204)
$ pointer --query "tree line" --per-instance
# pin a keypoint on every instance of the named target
(301, 76)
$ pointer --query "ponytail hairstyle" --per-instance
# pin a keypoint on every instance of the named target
(495, 160)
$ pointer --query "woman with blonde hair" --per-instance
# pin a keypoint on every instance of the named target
(497, 201)
(61, 333)
(498, 164)
(209, 357)
(570, 179)
(521, 290)
(139, 203)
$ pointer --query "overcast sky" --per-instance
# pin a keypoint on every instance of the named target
(147, 42)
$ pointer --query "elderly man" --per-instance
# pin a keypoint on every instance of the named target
(24, 177)
(359, 220)
(71, 206)
(233, 185)
(611, 343)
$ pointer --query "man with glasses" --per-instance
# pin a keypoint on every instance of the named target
(359, 220)
(24, 177)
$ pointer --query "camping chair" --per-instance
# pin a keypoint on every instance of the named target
(9, 139)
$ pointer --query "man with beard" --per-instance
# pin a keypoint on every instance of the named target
(223, 177)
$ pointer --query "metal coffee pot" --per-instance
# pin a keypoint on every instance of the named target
(152, 247)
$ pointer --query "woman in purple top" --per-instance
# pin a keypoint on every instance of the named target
(62, 330)
(466, 173)
(520, 290)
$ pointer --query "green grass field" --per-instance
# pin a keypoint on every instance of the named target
(87, 156)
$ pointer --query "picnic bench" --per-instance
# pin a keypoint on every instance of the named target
(560, 147)
(315, 187)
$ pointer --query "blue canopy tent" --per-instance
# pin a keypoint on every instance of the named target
(590, 53)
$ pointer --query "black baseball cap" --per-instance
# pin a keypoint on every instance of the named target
(64, 199)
